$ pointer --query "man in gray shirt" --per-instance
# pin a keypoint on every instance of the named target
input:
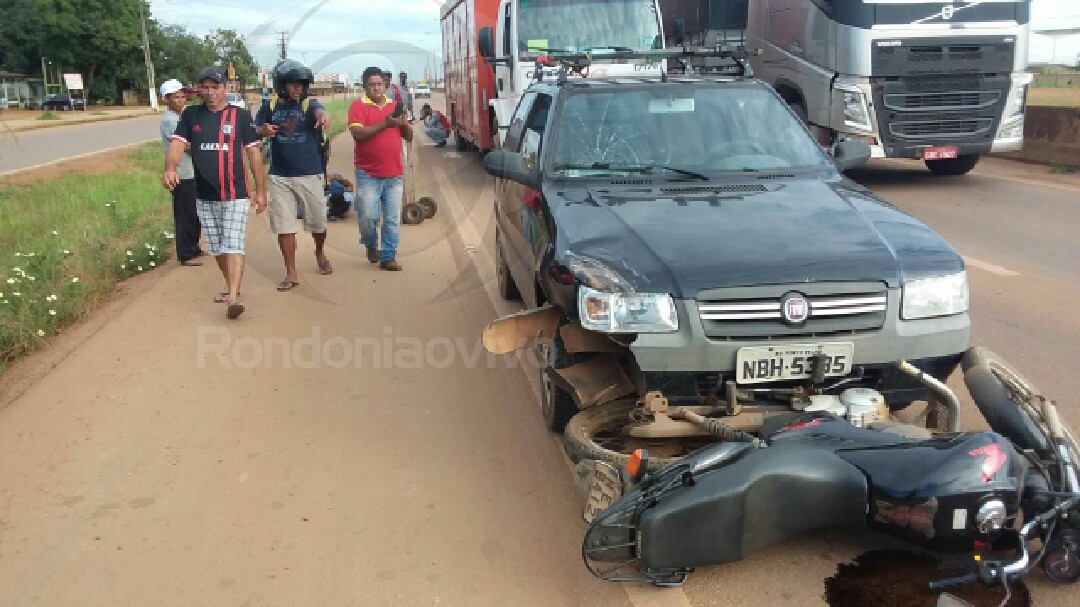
(188, 227)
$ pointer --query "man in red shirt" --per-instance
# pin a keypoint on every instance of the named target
(377, 156)
(436, 126)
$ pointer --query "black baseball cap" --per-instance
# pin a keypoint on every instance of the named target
(214, 73)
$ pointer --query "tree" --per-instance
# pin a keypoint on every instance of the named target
(177, 53)
(86, 36)
(230, 48)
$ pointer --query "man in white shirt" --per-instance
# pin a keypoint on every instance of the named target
(186, 218)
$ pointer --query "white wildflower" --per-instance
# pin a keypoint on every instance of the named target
(67, 252)
(32, 279)
(140, 268)
(17, 294)
(52, 312)
(123, 266)
(40, 333)
(129, 253)
(152, 264)
(55, 233)
(11, 281)
(75, 279)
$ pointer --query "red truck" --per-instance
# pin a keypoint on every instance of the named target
(470, 81)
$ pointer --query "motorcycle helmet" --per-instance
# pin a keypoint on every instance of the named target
(290, 70)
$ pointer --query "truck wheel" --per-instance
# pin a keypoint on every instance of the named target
(556, 405)
(1002, 395)
(960, 165)
(596, 433)
(507, 287)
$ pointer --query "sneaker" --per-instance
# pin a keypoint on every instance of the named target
(373, 255)
(390, 264)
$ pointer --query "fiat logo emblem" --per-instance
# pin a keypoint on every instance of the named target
(794, 309)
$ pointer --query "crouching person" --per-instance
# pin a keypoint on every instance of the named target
(436, 126)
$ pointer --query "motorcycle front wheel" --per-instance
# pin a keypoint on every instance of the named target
(1012, 405)
(598, 433)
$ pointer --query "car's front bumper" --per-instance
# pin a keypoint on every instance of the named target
(687, 362)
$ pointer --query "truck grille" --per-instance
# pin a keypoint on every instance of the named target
(759, 318)
(962, 100)
(937, 128)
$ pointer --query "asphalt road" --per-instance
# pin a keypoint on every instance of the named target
(27, 149)
(348, 442)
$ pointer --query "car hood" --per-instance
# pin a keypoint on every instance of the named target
(681, 239)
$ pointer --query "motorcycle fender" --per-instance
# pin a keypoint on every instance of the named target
(763, 498)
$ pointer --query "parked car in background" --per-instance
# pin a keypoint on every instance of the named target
(422, 91)
(63, 102)
(236, 99)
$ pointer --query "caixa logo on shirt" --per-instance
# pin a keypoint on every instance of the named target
(214, 147)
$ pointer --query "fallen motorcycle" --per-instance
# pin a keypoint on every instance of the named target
(843, 463)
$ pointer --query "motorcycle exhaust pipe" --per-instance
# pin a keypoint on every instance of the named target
(937, 387)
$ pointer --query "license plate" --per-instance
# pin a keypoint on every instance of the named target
(940, 153)
(759, 364)
(604, 489)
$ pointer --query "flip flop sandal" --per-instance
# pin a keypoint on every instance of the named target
(235, 310)
(287, 285)
(325, 267)
(222, 297)
(191, 262)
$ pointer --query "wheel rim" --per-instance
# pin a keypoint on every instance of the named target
(609, 437)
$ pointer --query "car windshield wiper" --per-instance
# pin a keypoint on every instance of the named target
(617, 49)
(604, 166)
(693, 174)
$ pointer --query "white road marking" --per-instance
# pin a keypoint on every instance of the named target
(989, 267)
(640, 596)
(77, 156)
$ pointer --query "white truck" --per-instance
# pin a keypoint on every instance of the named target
(935, 80)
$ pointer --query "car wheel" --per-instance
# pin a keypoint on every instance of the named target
(507, 287)
(960, 165)
(556, 405)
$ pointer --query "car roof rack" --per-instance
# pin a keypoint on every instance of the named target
(571, 62)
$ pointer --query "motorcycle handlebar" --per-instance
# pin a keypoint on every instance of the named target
(952, 582)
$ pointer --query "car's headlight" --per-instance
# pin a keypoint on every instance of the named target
(940, 296)
(627, 312)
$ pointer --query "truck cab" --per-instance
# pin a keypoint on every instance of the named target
(937, 81)
(526, 31)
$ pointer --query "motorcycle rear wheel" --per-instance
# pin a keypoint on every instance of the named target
(596, 433)
(1011, 403)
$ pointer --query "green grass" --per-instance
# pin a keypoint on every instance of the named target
(98, 113)
(48, 115)
(66, 242)
(339, 110)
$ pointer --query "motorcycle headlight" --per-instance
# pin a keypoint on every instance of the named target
(939, 296)
(627, 312)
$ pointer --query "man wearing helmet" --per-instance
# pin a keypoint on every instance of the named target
(295, 125)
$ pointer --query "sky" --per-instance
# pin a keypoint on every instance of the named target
(345, 36)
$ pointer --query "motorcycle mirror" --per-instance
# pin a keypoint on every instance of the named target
(637, 465)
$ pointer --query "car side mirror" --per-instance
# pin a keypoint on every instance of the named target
(486, 42)
(511, 165)
(850, 154)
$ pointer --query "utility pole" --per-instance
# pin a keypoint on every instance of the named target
(146, 56)
(284, 44)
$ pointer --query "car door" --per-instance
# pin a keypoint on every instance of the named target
(521, 212)
(508, 200)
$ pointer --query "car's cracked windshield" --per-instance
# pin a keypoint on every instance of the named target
(698, 129)
(579, 25)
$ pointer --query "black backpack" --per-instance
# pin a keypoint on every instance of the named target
(309, 116)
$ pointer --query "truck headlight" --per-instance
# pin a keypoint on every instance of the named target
(856, 110)
(627, 312)
(939, 296)
(1014, 104)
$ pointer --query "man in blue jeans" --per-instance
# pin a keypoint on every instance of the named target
(377, 157)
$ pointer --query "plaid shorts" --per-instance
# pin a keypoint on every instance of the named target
(224, 224)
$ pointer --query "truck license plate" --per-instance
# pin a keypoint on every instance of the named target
(604, 490)
(940, 153)
(759, 364)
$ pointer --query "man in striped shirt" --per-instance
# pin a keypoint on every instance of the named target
(217, 136)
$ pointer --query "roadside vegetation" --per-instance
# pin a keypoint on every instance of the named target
(66, 242)
(1054, 96)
